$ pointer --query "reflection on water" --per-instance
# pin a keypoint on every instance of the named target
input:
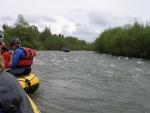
(87, 82)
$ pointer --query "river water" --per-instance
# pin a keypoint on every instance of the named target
(88, 82)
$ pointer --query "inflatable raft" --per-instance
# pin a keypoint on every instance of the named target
(35, 109)
(29, 83)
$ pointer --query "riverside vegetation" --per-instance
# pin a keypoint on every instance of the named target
(129, 40)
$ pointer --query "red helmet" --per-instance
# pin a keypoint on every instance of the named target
(3, 45)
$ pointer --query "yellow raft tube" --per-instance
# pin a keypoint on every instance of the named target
(29, 83)
(34, 107)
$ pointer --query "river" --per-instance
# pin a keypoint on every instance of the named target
(88, 82)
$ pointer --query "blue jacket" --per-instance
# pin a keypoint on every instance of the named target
(18, 53)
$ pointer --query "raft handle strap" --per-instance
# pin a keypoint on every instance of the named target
(27, 81)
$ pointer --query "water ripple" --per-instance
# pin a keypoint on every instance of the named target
(87, 82)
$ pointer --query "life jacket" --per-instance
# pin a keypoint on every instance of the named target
(28, 59)
(7, 57)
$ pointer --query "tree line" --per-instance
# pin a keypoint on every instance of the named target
(31, 37)
(129, 40)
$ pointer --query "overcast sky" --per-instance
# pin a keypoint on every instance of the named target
(84, 19)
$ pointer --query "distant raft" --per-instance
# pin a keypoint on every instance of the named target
(29, 83)
(67, 50)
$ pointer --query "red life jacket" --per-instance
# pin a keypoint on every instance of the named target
(7, 57)
(28, 59)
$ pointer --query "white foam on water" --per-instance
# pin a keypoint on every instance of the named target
(138, 69)
(140, 62)
(112, 65)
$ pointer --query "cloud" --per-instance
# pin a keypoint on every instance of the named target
(82, 32)
(86, 34)
(106, 19)
(48, 19)
(55, 23)
(38, 18)
(6, 20)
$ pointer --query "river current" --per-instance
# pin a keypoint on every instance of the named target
(88, 82)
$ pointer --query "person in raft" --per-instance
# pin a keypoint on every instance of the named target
(6, 55)
(22, 58)
(13, 98)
